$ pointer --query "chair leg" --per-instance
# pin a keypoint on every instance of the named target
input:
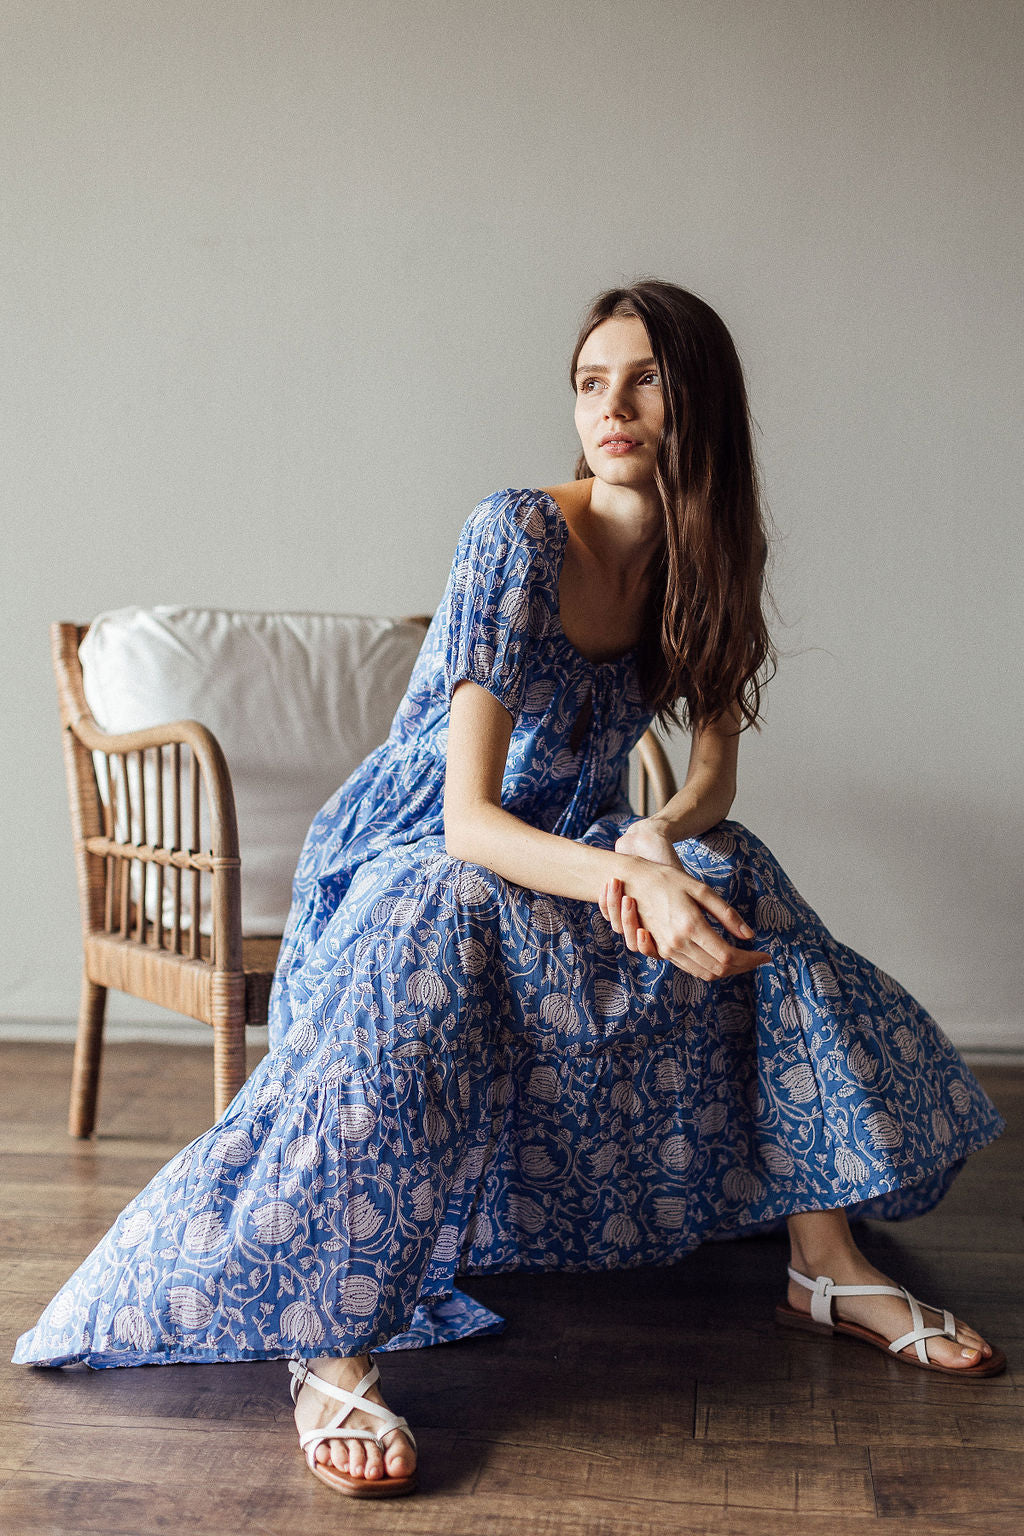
(228, 1064)
(85, 1074)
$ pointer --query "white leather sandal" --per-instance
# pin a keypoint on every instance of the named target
(357, 1487)
(820, 1319)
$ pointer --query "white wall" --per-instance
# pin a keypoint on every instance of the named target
(290, 285)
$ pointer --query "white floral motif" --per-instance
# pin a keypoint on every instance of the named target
(304, 1152)
(204, 1233)
(545, 917)
(861, 1063)
(188, 1307)
(773, 915)
(276, 1222)
(472, 956)
(362, 1218)
(447, 1245)
(795, 1014)
(471, 889)
(741, 1185)
(233, 1147)
(134, 1228)
(669, 1211)
(712, 1119)
(301, 1038)
(526, 1213)
(850, 1167)
(359, 1295)
(670, 1076)
(676, 1152)
(612, 1001)
(883, 1130)
(619, 1231)
(543, 1084)
(905, 1042)
(941, 1128)
(824, 978)
(536, 1162)
(427, 989)
(778, 1161)
(559, 1012)
(422, 1196)
(131, 1327)
(301, 1322)
(356, 1121)
(800, 1083)
(959, 1096)
(625, 1099)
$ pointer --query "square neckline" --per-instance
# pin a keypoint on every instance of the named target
(563, 525)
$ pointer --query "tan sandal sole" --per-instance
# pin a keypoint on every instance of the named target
(364, 1487)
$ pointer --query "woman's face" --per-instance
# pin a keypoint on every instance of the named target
(619, 406)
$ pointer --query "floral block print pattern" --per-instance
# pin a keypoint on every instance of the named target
(467, 1077)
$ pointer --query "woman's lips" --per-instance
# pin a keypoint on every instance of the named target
(618, 445)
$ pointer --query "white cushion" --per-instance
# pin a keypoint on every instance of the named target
(296, 700)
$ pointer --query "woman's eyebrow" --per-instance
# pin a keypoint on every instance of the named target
(637, 362)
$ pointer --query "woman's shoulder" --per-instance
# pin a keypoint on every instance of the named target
(521, 514)
(535, 509)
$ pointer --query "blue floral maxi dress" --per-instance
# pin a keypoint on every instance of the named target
(466, 1077)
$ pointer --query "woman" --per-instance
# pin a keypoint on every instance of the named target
(513, 1025)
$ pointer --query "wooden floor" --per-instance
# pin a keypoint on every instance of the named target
(643, 1401)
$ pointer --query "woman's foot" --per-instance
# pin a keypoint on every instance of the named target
(889, 1315)
(822, 1244)
(359, 1458)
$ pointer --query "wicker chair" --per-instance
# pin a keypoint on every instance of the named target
(155, 949)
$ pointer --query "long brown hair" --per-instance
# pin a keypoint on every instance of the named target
(707, 645)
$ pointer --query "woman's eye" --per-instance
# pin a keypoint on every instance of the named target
(650, 378)
(588, 385)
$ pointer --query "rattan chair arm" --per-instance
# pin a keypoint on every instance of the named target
(208, 754)
(78, 720)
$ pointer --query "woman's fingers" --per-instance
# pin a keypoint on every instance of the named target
(614, 891)
(646, 945)
(698, 949)
(630, 922)
(721, 911)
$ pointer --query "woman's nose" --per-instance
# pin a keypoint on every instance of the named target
(616, 401)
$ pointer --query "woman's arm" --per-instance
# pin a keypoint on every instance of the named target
(705, 798)
(479, 830)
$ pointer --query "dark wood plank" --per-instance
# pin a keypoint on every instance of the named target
(927, 1481)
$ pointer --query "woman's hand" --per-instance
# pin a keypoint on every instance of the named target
(665, 918)
(649, 839)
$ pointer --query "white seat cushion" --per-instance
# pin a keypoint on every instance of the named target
(296, 700)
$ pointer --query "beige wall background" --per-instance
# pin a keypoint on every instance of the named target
(289, 286)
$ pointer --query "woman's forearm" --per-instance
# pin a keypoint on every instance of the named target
(542, 861)
(691, 812)
(710, 788)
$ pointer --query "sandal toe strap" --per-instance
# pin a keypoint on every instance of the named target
(309, 1439)
(919, 1333)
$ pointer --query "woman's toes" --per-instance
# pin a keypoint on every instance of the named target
(356, 1458)
(951, 1352)
(374, 1462)
(398, 1458)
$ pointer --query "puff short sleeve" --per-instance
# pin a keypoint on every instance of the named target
(502, 594)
